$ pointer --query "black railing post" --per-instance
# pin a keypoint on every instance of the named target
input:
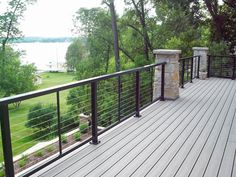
(151, 83)
(94, 113)
(191, 74)
(183, 72)
(209, 66)
(59, 122)
(119, 98)
(6, 141)
(137, 98)
(198, 66)
(162, 83)
(234, 67)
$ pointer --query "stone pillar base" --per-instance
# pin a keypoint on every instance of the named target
(171, 57)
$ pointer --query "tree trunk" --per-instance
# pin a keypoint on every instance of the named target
(115, 34)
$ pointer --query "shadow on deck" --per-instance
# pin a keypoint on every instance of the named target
(194, 135)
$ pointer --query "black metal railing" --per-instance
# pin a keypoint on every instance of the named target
(71, 115)
(189, 69)
(222, 66)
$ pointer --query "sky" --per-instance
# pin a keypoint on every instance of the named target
(53, 18)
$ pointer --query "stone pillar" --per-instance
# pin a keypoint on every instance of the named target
(202, 52)
(171, 57)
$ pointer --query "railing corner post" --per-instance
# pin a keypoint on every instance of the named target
(198, 66)
(94, 113)
(191, 74)
(183, 72)
(137, 110)
(6, 140)
(234, 67)
(162, 83)
(209, 67)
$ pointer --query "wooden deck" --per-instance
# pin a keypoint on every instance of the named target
(192, 136)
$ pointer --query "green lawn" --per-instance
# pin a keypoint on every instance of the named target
(18, 116)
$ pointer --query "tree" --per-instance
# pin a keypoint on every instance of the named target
(141, 13)
(9, 24)
(76, 52)
(41, 118)
(9, 60)
(18, 78)
(110, 4)
(223, 21)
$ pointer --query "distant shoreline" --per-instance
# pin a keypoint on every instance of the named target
(43, 39)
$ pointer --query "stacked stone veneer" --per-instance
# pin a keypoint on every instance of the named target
(171, 57)
(203, 53)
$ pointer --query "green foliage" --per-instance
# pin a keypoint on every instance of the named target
(2, 173)
(41, 118)
(76, 52)
(2, 170)
(64, 139)
(23, 161)
(83, 128)
(79, 100)
(70, 119)
(219, 48)
(50, 148)
(18, 78)
(39, 153)
(77, 136)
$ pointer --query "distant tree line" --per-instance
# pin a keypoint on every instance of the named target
(42, 39)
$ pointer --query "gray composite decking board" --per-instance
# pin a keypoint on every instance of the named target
(233, 172)
(178, 152)
(220, 145)
(202, 162)
(175, 164)
(129, 143)
(182, 162)
(164, 160)
(196, 151)
(140, 123)
(129, 149)
(137, 153)
(172, 127)
(228, 158)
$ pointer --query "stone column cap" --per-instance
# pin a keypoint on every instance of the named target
(200, 48)
(166, 52)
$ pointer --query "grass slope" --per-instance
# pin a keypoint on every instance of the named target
(18, 117)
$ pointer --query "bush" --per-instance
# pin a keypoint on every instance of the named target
(50, 148)
(64, 139)
(23, 161)
(41, 118)
(77, 136)
(40, 153)
(70, 119)
(83, 128)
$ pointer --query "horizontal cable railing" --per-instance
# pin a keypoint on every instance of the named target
(222, 66)
(48, 124)
(189, 69)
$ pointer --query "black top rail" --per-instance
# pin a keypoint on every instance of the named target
(24, 96)
(189, 69)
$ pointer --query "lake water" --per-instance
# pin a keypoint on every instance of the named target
(45, 56)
